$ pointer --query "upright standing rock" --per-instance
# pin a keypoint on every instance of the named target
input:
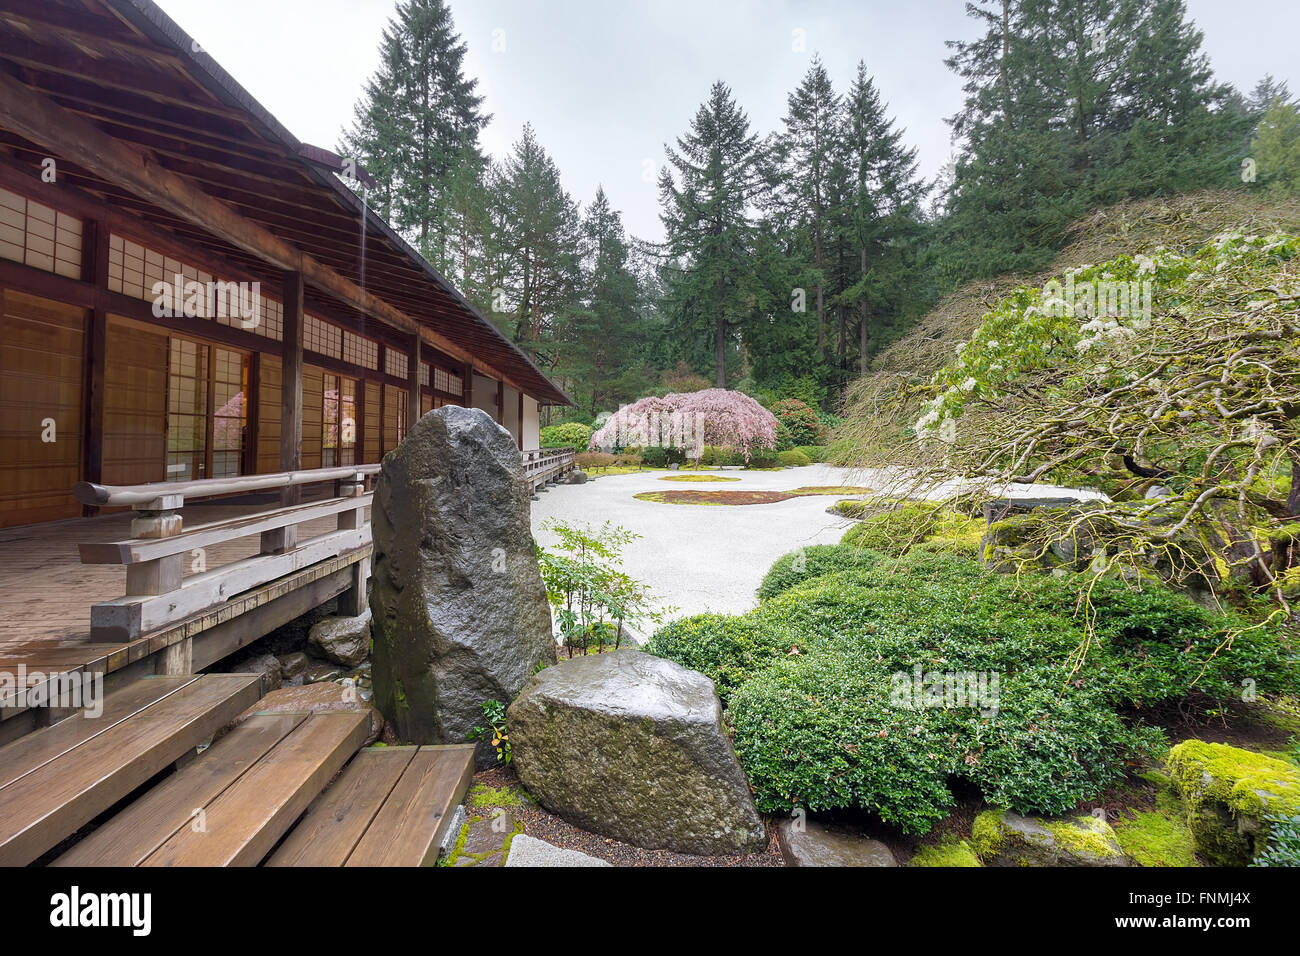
(460, 614)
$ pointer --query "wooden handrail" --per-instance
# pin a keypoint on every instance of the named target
(90, 493)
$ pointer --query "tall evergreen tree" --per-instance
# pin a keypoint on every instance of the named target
(706, 201)
(805, 152)
(605, 333)
(1074, 102)
(540, 245)
(417, 122)
(881, 218)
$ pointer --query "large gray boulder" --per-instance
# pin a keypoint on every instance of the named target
(459, 610)
(631, 746)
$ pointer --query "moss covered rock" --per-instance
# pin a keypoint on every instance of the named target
(1228, 793)
(948, 852)
(1003, 838)
(1158, 837)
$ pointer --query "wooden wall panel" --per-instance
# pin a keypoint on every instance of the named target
(135, 404)
(394, 398)
(268, 414)
(313, 402)
(41, 377)
(372, 424)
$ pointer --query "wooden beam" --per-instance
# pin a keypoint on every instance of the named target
(41, 120)
(413, 409)
(291, 392)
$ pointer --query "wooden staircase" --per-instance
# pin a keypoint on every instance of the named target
(55, 780)
(233, 804)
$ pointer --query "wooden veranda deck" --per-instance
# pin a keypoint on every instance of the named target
(46, 593)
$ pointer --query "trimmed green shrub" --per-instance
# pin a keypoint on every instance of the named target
(815, 453)
(658, 456)
(793, 459)
(594, 459)
(804, 426)
(796, 567)
(570, 434)
(807, 679)
(724, 648)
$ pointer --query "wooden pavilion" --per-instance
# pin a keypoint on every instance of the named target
(207, 344)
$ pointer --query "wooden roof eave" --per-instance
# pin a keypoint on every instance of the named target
(152, 21)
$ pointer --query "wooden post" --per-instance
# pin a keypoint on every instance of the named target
(94, 269)
(521, 421)
(286, 539)
(413, 409)
(467, 393)
(501, 401)
(352, 602)
(161, 518)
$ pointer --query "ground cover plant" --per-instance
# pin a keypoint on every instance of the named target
(839, 687)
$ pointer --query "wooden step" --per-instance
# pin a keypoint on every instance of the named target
(242, 823)
(131, 836)
(29, 752)
(91, 770)
(391, 807)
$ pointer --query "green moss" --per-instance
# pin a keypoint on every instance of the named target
(1246, 782)
(451, 858)
(949, 852)
(481, 795)
(1229, 792)
(986, 836)
(1156, 838)
(1084, 836)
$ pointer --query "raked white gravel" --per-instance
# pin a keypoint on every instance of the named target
(711, 557)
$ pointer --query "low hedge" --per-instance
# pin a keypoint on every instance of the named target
(816, 453)
(895, 528)
(569, 434)
(812, 562)
(793, 459)
(659, 456)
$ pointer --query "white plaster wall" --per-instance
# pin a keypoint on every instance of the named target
(511, 412)
(485, 394)
(532, 424)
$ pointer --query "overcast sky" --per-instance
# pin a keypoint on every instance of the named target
(607, 82)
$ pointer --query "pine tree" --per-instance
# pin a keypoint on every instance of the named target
(707, 216)
(1277, 147)
(881, 218)
(804, 157)
(539, 244)
(1075, 102)
(417, 122)
(604, 335)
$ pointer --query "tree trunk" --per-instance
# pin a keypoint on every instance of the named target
(862, 323)
(720, 352)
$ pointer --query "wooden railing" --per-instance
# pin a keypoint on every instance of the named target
(159, 595)
(545, 465)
